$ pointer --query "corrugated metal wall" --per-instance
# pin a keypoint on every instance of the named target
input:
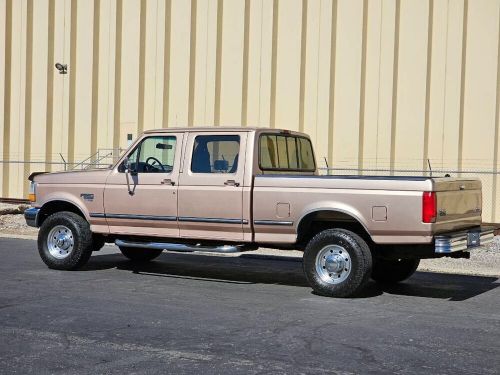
(379, 83)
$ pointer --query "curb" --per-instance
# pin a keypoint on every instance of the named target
(19, 236)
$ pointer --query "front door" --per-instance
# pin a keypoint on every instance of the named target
(211, 186)
(147, 205)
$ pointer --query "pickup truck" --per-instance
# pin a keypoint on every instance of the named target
(229, 190)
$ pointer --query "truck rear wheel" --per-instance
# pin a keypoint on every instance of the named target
(65, 241)
(140, 255)
(391, 271)
(337, 263)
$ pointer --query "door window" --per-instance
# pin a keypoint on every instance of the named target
(154, 155)
(215, 154)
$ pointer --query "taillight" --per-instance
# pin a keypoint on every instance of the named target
(429, 207)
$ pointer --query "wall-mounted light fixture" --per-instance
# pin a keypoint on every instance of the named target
(63, 68)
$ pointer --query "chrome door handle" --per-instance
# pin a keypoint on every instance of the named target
(231, 183)
(167, 181)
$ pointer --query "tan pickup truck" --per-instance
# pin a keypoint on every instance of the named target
(236, 189)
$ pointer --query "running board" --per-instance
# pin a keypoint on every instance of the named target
(182, 247)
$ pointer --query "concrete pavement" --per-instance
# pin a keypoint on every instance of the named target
(192, 313)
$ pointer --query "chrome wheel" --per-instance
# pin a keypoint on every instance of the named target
(333, 264)
(60, 242)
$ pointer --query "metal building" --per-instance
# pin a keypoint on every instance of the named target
(380, 85)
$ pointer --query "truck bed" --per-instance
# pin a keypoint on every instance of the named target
(388, 207)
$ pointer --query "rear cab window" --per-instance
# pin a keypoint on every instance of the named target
(285, 153)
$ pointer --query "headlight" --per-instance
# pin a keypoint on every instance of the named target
(32, 192)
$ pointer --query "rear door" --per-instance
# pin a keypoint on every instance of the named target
(211, 186)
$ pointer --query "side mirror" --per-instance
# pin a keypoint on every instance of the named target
(126, 165)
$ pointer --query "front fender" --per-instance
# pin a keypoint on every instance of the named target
(66, 197)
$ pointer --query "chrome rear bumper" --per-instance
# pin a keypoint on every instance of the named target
(463, 240)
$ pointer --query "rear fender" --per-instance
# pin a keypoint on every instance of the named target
(334, 207)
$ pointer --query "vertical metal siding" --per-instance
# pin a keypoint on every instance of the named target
(377, 84)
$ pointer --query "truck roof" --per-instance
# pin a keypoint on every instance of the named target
(223, 129)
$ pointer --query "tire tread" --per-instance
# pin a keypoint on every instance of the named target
(358, 250)
(83, 241)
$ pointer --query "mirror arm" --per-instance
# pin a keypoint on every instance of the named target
(126, 163)
(130, 191)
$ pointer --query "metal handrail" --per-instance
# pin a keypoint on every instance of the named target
(83, 161)
(98, 157)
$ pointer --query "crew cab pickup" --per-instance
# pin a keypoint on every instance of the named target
(236, 189)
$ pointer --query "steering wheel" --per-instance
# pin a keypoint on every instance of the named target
(155, 160)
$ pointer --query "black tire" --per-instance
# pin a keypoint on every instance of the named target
(81, 236)
(391, 271)
(140, 255)
(358, 254)
(98, 242)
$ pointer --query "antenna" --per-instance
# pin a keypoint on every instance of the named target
(430, 167)
(327, 166)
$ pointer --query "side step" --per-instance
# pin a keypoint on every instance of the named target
(224, 249)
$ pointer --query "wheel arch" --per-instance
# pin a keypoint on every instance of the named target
(58, 205)
(318, 219)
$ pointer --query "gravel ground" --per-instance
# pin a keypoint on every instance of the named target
(7, 208)
(484, 261)
(16, 225)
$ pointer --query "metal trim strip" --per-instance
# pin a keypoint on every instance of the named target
(134, 217)
(273, 222)
(211, 220)
(170, 218)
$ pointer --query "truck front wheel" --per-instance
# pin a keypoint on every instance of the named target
(65, 241)
(391, 271)
(140, 255)
(337, 263)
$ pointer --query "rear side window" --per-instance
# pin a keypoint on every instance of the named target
(215, 154)
(286, 153)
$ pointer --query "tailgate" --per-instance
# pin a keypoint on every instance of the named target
(459, 202)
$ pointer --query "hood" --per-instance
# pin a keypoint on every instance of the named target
(87, 176)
